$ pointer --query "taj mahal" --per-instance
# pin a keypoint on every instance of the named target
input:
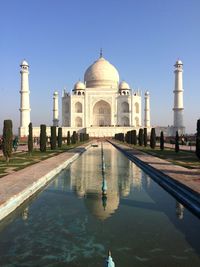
(101, 105)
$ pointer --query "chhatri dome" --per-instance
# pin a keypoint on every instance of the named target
(79, 86)
(124, 85)
(101, 74)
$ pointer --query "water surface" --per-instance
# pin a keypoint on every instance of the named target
(70, 224)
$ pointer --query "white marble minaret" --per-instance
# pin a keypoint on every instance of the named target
(178, 98)
(55, 109)
(147, 110)
(25, 102)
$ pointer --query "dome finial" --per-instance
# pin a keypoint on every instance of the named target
(101, 52)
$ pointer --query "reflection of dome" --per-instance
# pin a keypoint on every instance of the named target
(24, 63)
(79, 86)
(94, 203)
(124, 85)
(101, 73)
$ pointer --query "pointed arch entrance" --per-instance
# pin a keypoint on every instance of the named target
(102, 114)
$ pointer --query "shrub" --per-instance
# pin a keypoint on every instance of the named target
(43, 138)
(30, 138)
(198, 139)
(59, 137)
(7, 139)
(53, 137)
(145, 136)
(141, 137)
(73, 138)
(134, 137)
(68, 138)
(177, 142)
(162, 140)
(153, 138)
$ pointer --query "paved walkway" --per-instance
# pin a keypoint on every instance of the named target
(188, 177)
(15, 188)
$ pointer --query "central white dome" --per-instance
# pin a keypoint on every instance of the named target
(101, 74)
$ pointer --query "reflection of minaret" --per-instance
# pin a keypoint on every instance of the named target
(147, 110)
(178, 98)
(55, 109)
(179, 210)
(25, 103)
(137, 177)
(25, 214)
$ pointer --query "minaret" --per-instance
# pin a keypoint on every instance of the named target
(55, 109)
(147, 110)
(178, 98)
(25, 103)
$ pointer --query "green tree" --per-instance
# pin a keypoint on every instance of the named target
(68, 138)
(162, 141)
(141, 137)
(145, 136)
(134, 137)
(30, 138)
(43, 138)
(7, 139)
(53, 137)
(153, 138)
(177, 142)
(59, 137)
(198, 139)
(73, 138)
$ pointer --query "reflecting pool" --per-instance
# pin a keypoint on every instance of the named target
(69, 223)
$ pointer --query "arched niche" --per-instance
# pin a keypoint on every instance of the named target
(137, 108)
(78, 122)
(78, 107)
(125, 107)
(137, 122)
(125, 121)
(102, 113)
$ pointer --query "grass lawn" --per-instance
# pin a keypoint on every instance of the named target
(186, 159)
(21, 160)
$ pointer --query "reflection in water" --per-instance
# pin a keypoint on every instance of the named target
(179, 210)
(25, 214)
(113, 169)
(71, 223)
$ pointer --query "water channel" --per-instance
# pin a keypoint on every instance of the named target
(70, 224)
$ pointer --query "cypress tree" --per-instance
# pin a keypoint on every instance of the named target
(68, 138)
(134, 137)
(177, 142)
(73, 138)
(43, 138)
(7, 139)
(81, 137)
(153, 138)
(198, 139)
(131, 139)
(30, 138)
(141, 137)
(162, 140)
(145, 136)
(53, 137)
(59, 137)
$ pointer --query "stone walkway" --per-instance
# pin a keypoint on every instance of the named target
(187, 177)
(15, 188)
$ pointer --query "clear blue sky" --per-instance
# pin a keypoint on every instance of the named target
(61, 38)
